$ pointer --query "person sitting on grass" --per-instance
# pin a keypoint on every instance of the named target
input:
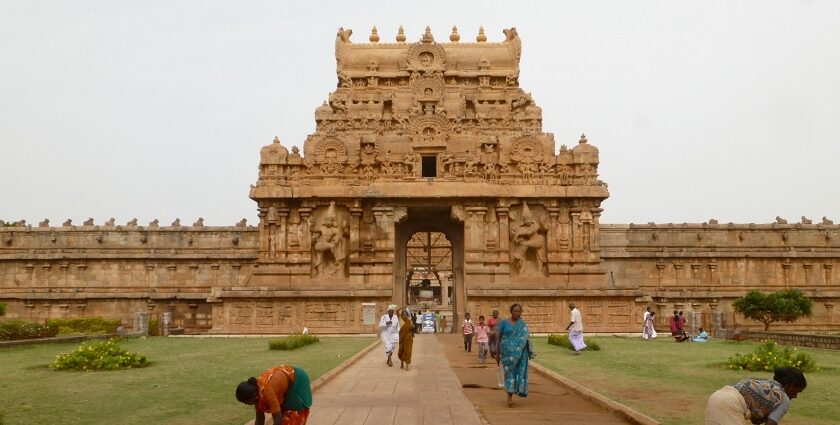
(284, 391)
(701, 337)
(754, 400)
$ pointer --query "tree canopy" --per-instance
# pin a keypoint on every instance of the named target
(780, 306)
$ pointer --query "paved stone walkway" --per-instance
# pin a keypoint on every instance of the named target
(370, 393)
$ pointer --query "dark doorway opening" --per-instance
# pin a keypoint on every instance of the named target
(429, 166)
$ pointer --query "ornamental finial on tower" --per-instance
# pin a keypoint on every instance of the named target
(481, 37)
(374, 35)
(401, 35)
(583, 138)
(454, 37)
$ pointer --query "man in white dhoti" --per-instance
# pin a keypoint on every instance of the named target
(575, 329)
(389, 332)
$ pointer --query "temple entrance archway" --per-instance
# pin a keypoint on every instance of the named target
(429, 258)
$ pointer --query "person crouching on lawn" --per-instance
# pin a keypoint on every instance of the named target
(754, 400)
(283, 391)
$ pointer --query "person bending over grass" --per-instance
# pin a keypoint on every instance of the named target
(754, 400)
(284, 391)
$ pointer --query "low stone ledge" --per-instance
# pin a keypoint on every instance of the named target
(624, 411)
(829, 342)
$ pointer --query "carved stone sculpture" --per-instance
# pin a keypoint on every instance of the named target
(780, 220)
(827, 221)
(329, 251)
(45, 223)
(199, 222)
(89, 222)
(154, 223)
(132, 222)
(242, 223)
(67, 223)
(176, 223)
(528, 251)
(111, 221)
(806, 220)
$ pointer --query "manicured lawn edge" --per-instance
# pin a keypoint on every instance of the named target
(323, 379)
(626, 412)
(54, 340)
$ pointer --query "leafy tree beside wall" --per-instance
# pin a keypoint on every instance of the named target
(780, 306)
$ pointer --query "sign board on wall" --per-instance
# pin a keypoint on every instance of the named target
(368, 313)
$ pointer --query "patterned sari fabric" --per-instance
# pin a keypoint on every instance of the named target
(514, 353)
(295, 417)
(762, 396)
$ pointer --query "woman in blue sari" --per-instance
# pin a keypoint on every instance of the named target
(514, 353)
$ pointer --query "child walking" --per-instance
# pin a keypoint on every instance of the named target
(469, 328)
(482, 338)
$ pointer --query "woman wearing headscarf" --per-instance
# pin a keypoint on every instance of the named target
(514, 353)
(389, 332)
(406, 340)
(283, 391)
(754, 400)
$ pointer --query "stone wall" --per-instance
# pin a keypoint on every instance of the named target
(114, 271)
(829, 342)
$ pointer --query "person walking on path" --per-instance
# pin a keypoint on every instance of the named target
(649, 330)
(284, 391)
(469, 329)
(418, 321)
(753, 400)
(482, 338)
(575, 329)
(389, 332)
(514, 353)
(406, 341)
(493, 342)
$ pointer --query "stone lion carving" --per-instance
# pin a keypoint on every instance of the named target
(329, 245)
(528, 251)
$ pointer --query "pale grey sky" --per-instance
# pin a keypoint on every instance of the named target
(158, 109)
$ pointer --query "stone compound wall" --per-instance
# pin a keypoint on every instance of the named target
(114, 271)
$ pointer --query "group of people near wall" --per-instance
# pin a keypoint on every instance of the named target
(677, 325)
(285, 393)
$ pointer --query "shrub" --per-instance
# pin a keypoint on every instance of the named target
(99, 355)
(92, 325)
(154, 329)
(292, 342)
(562, 340)
(14, 330)
(768, 356)
(2, 309)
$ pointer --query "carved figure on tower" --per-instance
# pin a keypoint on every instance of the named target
(329, 245)
(528, 251)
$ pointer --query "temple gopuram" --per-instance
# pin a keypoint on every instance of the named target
(428, 182)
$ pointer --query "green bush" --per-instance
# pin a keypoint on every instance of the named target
(2, 309)
(99, 355)
(292, 342)
(154, 329)
(768, 356)
(92, 325)
(14, 330)
(562, 340)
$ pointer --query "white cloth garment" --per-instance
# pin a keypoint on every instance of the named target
(389, 333)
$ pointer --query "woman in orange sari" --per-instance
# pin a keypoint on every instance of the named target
(283, 391)
(406, 340)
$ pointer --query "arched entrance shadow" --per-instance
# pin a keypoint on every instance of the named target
(431, 219)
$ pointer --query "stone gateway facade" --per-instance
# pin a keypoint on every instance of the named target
(429, 182)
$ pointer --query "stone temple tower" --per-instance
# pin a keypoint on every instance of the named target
(420, 137)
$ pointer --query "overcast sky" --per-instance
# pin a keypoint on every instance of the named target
(158, 109)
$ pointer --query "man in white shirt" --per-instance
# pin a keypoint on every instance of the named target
(575, 329)
(389, 328)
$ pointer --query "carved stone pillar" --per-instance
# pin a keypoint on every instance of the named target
(564, 221)
(577, 239)
(553, 228)
(596, 225)
(306, 238)
(504, 233)
(355, 231)
(282, 232)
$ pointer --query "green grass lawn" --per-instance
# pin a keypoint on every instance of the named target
(671, 382)
(190, 381)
